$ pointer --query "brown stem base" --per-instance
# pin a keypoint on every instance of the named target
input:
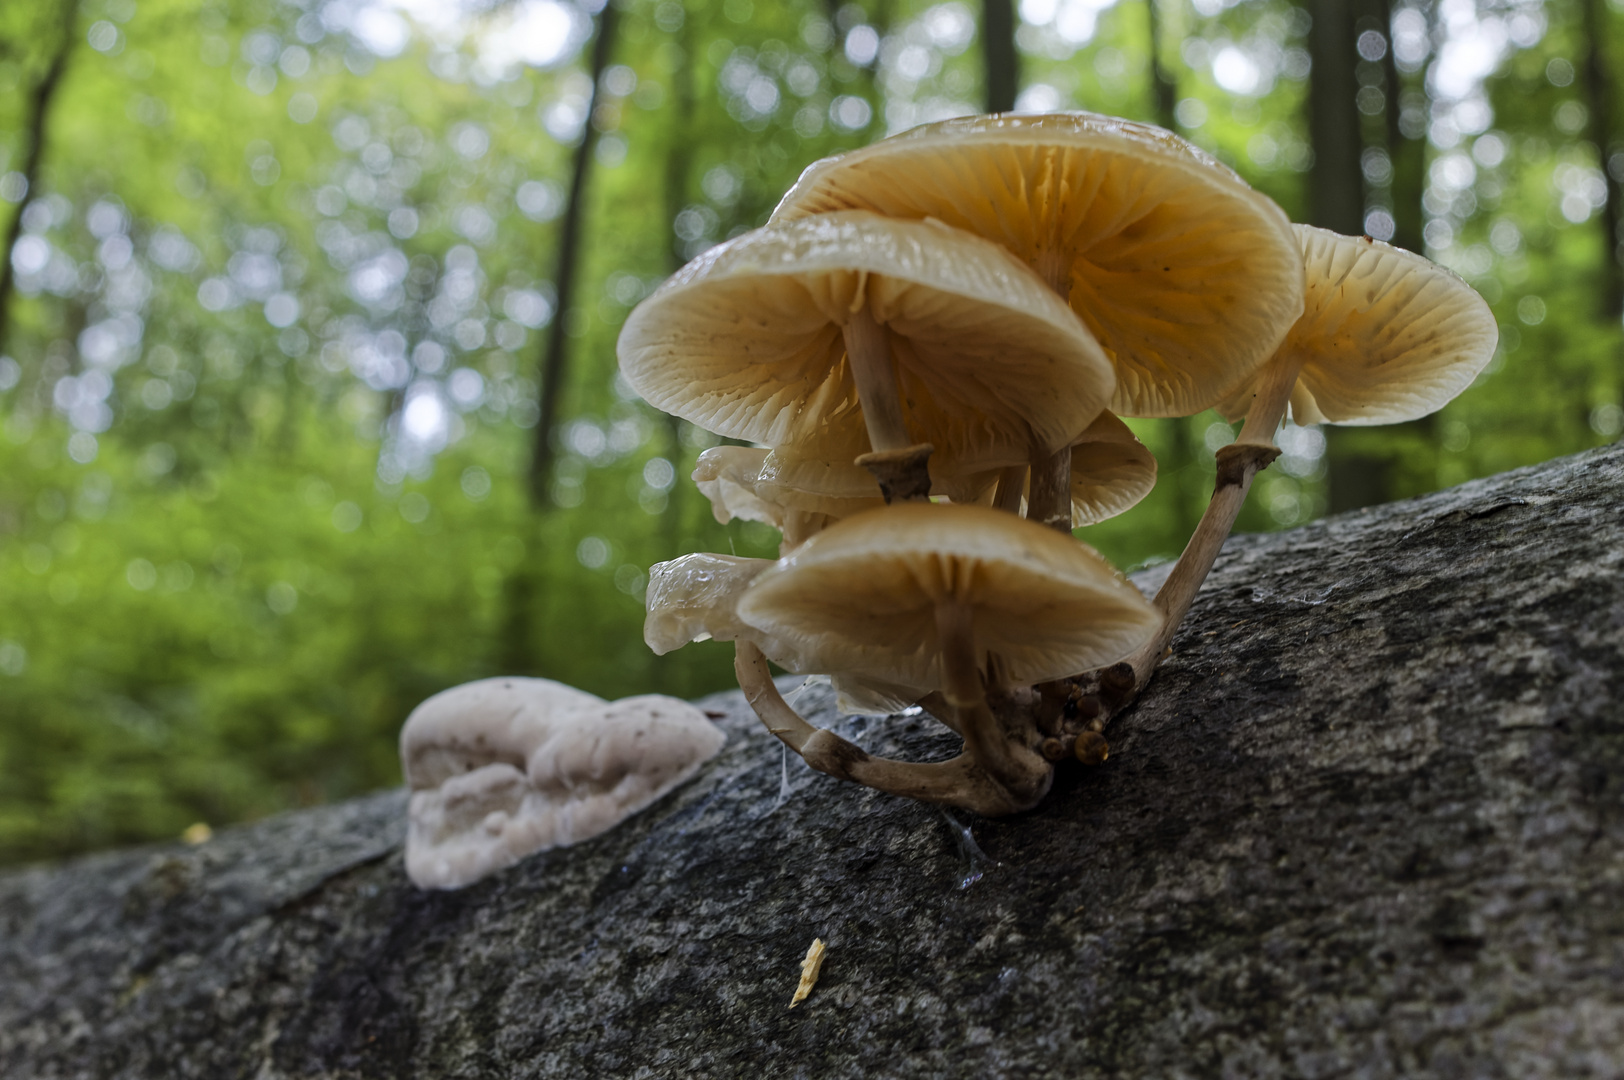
(963, 781)
(903, 475)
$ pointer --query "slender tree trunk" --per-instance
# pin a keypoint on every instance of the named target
(1190, 483)
(38, 111)
(1599, 89)
(1003, 63)
(1164, 90)
(1408, 156)
(519, 651)
(555, 355)
(1335, 184)
(679, 158)
(1336, 201)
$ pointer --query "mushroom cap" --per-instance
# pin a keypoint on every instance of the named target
(757, 484)
(1386, 335)
(693, 598)
(1185, 275)
(860, 597)
(747, 341)
(727, 475)
(548, 779)
(1111, 470)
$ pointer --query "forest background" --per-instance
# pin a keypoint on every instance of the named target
(308, 399)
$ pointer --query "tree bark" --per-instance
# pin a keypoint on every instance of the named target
(555, 355)
(1003, 62)
(38, 112)
(1368, 820)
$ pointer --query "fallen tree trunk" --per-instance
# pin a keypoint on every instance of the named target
(1368, 820)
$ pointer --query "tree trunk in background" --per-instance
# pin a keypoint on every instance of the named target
(1336, 201)
(37, 113)
(1336, 197)
(1408, 156)
(1164, 90)
(678, 164)
(1367, 820)
(518, 652)
(1003, 63)
(1599, 92)
(555, 354)
(1191, 486)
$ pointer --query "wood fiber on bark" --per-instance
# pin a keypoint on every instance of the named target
(1368, 821)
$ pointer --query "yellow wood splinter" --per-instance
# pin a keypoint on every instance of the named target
(809, 972)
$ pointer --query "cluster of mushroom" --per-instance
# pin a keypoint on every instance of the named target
(929, 346)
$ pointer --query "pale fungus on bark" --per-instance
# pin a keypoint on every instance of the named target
(505, 767)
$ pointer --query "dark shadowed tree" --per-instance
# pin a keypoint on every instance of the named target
(1599, 92)
(998, 49)
(37, 116)
(555, 348)
(1406, 139)
(1164, 90)
(1335, 183)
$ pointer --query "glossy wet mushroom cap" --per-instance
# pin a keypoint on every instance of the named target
(1183, 273)
(695, 598)
(747, 341)
(861, 596)
(1386, 335)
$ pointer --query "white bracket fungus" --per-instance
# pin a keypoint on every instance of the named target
(505, 767)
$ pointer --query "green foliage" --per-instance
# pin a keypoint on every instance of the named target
(268, 391)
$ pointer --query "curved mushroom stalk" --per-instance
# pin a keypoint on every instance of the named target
(963, 781)
(1238, 464)
(1385, 336)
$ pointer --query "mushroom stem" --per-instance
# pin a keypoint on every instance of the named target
(1048, 497)
(1011, 489)
(756, 680)
(869, 355)
(1269, 400)
(961, 781)
(1238, 463)
(903, 475)
(984, 738)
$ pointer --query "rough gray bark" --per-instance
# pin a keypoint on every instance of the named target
(1367, 821)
